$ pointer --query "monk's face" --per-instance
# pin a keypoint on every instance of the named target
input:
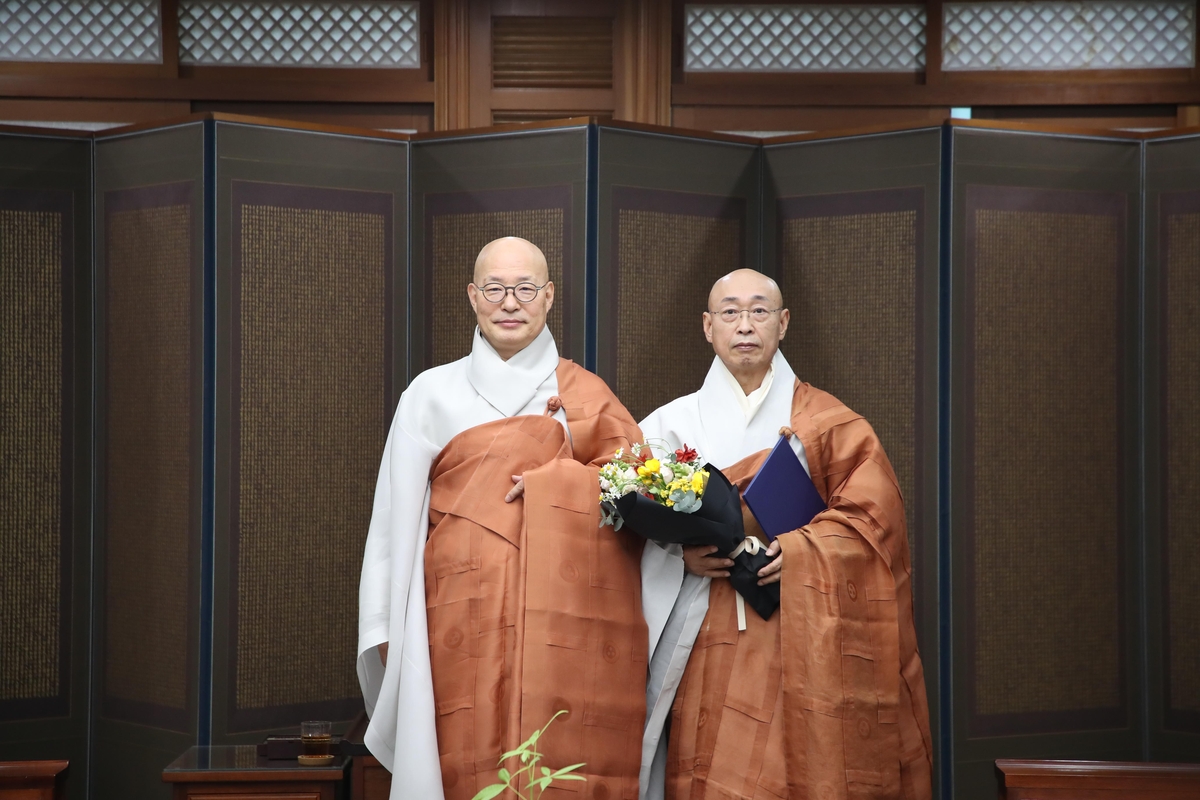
(745, 321)
(512, 321)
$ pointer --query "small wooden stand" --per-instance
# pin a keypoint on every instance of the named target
(1097, 780)
(31, 780)
(239, 772)
(369, 779)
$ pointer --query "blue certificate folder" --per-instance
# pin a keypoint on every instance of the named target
(782, 497)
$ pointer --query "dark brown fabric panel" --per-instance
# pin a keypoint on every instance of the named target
(848, 272)
(1180, 262)
(458, 225)
(310, 270)
(149, 462)
(1045, 648)
(668, 249)
(35, 253)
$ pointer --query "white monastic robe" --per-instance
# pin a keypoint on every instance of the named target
(438, 405)
(724, 425)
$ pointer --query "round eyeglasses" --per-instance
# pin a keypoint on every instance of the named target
(524, 292)
(757, 314)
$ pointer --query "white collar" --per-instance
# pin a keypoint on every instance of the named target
(731, 433)
(509, 385)
(750, 403)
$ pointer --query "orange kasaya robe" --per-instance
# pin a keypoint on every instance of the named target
(533, 608)
(826, 699)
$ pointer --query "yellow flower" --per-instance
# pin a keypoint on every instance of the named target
(698, 481)
(653, 465)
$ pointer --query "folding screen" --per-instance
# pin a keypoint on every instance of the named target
(851, 234)
(45, 447)
(258, 310)
(675, 212)
(1043, 459)
(309, 244)
(471, 188)
(150, 288)
(1172, 428)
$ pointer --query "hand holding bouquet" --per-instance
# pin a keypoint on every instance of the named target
(643, 493)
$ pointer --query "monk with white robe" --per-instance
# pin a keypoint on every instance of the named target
(490, 597)
(826, 699)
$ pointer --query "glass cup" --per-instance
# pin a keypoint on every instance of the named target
(316, 738)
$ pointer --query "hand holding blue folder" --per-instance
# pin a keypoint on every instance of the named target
(782, 496)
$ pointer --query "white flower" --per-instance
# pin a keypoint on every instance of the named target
(605, 484)
(666, 473)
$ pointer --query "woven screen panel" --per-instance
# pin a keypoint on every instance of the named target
(148, 461)
(1046, 586)
(1183, 460)
(310, 428)
(849, 281)
(457, 240)
(31, 352)
(667, 264)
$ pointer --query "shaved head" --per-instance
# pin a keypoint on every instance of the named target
(745, 322)
(511, 251)
(747, 283)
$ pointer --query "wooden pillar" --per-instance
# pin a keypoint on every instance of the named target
(451, 64)
(643, 61)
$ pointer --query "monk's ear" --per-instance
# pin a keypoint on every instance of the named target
(707, 318)
(473, 296)
(785, 317)
(549, 290)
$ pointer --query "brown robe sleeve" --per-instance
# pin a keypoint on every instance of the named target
(599, 423)
(852, 678)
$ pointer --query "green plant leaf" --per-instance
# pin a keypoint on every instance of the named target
(504, 775)
(562, 773)
(488, 792)
(545, 770)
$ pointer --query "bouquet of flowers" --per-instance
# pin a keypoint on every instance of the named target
(643, 493)
(677, 480)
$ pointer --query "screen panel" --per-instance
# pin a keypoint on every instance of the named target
(853, 229)
(311, 255)
(150, 465)
(35, 270)
(675, 213)
(468, 190)
(149, 190)
(1172, 330)
(45, 446)
(1043, 402)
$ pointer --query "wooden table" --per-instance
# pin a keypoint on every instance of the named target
(236, 772)
(1098, 780)
(31, 780)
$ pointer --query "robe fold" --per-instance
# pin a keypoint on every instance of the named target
(533, 607)
(499, 614)
(827, 698)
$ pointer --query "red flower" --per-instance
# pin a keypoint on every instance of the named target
(685, 453)
(644, 456)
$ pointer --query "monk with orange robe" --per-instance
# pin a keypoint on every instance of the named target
(826, 699)
(485, 607)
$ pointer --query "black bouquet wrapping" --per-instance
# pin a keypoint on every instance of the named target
(718, 522)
